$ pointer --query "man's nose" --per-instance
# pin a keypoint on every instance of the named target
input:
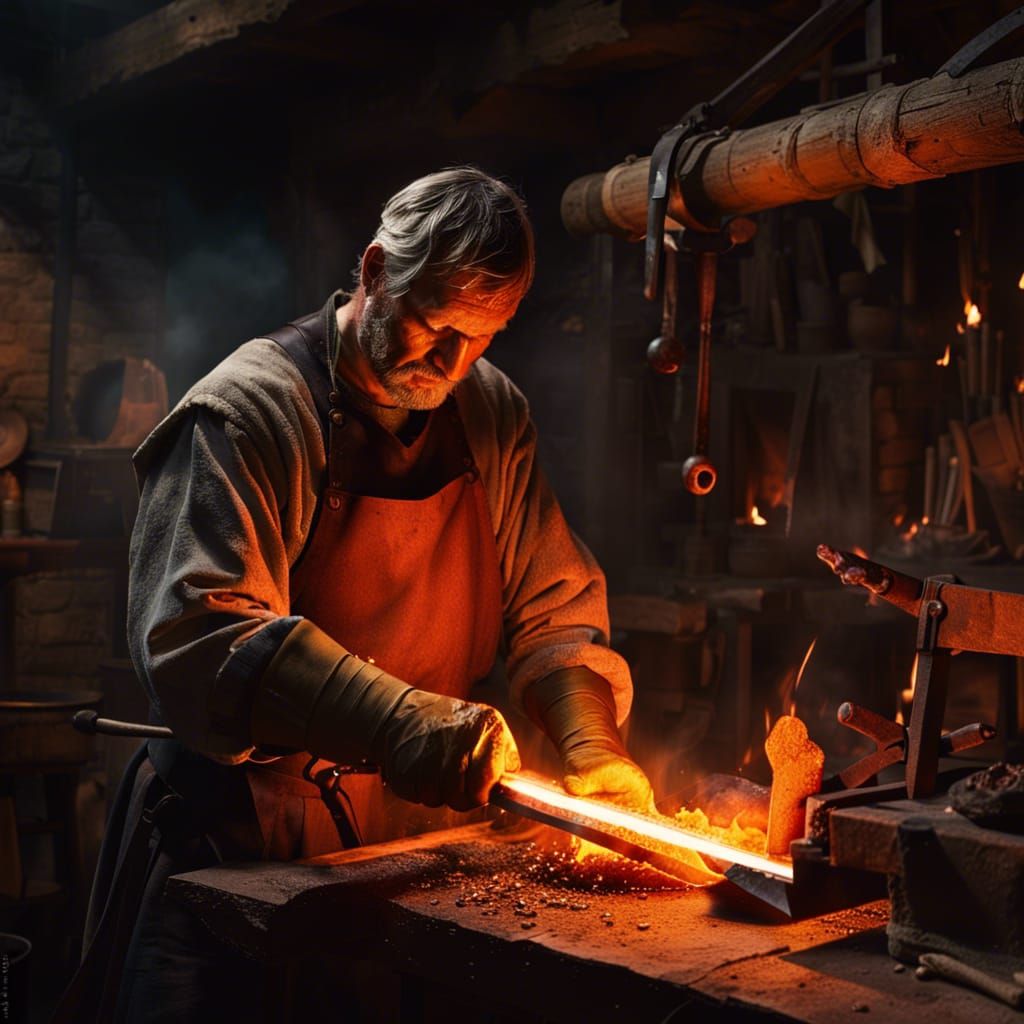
(451, 357)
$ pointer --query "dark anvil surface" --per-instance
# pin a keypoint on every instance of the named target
(422, 904)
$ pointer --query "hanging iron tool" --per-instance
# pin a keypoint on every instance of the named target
(699, 474)
(669, 163)
(665, 353)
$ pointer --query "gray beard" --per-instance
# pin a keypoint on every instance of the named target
(376, 339)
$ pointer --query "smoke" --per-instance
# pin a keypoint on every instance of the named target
(228, 280)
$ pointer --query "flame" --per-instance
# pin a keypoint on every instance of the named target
(1020, 283)
(960, 329)
(910, 533)
(897, 519)
(972, 313)
(1018, 383)
(747, 758)
(860, 553)
(735, 834)
(907, 695)
(899, 716)
(943, 360)
(756, 518)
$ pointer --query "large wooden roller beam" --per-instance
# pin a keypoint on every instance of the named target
(894, 136)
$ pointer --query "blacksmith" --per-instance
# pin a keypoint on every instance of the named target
(342, 527)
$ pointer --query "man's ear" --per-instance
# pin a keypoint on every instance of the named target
(371, 269)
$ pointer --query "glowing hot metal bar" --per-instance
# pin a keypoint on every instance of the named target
(628, 832)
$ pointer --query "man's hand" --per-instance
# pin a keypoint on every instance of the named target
(576, 709)
(591, 770)
(438, 750)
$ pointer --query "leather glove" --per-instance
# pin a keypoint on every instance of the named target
(576, 709)
(434, 750)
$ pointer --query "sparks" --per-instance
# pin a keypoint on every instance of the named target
(943, 360)
(803, 664)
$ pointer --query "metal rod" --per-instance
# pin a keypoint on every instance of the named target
(90, 722)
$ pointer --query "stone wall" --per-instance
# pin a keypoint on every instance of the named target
(64, 621)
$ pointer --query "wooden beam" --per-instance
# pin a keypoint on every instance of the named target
(894, 136)
(163, 37)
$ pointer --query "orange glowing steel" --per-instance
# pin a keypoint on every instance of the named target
(632, 824)
(972, 313)
(943, 360)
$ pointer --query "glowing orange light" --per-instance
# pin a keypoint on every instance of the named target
(943, 360)
(972, 313)
(756, 518)
(960, 329)
(860, 552)
(1020, 283)
(907, 695)
(911, 532)
(1018, 383)
(661, 831)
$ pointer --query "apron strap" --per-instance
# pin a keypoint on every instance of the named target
(304, 342)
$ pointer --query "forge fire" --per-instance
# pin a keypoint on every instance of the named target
(511, 513)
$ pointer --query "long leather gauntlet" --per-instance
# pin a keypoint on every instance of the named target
(316, 696)
(576, 708)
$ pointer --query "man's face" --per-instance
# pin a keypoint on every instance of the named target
(422, 344)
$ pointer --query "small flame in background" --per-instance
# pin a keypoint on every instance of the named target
(907, 694)
(943, 360)
(860, 553)
(1020, 283)
(910, 533)
(756, 518)
(972, 313)
(1018, 384)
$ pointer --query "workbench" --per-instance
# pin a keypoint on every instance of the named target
(445, 928)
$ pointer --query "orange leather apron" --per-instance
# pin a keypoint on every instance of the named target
(413, 585)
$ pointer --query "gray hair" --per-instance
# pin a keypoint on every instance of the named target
(455, 220)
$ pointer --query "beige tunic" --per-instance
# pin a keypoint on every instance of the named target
(229, 484)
